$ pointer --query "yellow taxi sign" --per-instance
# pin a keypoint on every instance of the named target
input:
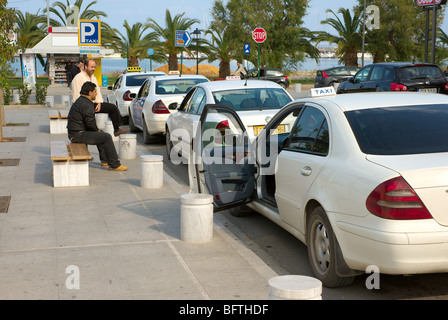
(134, 69)
(321, 92)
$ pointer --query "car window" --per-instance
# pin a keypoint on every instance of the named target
(196, 101)
(310, 133)
(135, 80)
(117, 83)
(176, 86)
(362, 75)
(337, 72)
(274, 73)
(420, 73)
(252, 99)
(352, 71)
(377, 73)
(146, 89)
(416, 129)
(142, 88)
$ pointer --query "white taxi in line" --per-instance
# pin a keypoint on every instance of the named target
(361, 179)
(127, 83)
(157, 99)
(256, 102)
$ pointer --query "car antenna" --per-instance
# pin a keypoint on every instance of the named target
(245, 83)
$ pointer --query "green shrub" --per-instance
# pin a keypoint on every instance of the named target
(7, 95)
(41, 93)
(24, 94)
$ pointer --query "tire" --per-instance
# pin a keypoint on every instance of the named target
(283, 85)
(132, 126)
(324, 251)
(147, 138)
(168, 144)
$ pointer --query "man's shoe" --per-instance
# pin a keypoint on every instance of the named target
(104, 164)
(120, 131)
(120, 168)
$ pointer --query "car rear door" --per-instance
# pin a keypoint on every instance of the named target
(221, 163)
(359, 81)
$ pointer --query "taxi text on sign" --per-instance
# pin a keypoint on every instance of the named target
(89, 32)
(259, 35)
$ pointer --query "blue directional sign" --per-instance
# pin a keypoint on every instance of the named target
(246, 48)
(150, 51)
(89, 32)
(183, 39)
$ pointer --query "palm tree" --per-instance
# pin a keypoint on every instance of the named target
(30, 29)
(220, 48)
(349, 38)
(133, 44)
(64, 12)
(167, 43)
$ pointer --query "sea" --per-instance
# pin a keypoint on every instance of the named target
(110, 66)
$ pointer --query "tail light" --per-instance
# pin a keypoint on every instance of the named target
(324, 74)
(396, 200)
(286, 78)
(160, 108)
(222, 127)
(398, 87)
(446, 86)
(126, 96)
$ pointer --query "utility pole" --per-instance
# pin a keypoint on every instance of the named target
(434, 31)
(48, 15)
(363, 33)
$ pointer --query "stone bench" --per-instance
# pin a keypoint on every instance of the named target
(58, 121)
(70, 164)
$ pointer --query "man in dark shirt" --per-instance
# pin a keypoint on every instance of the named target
(82, 128)
(77, 67)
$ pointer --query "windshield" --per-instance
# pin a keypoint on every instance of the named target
(136, 81)
(252, 99)
(420, 73)
(176, 86)
(401, 130)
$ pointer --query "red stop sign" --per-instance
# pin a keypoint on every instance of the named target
(259, 35)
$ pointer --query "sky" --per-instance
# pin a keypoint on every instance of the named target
(139, 10)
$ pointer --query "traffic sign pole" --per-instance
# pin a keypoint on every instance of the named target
(259, 36)
(259, 54)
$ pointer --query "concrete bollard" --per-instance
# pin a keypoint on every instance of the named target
(291, 287)
(66, 101)
(49, 101)
(128, 146)
(151, 171)
(196, 218)
(298, 87)
(109, 128)
(101, 119)
(15, 97)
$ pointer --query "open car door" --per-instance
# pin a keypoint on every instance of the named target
(222, 163)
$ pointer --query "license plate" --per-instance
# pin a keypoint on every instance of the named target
(432, 90)
(280, 129)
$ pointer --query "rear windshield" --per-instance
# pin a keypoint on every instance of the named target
(252, 99)
(136, 81)
(420, 73)
(401, 130)
(176, 86)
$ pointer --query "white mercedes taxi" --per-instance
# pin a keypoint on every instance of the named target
(255, 102)
(361, 179)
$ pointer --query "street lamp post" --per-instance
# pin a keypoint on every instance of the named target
(197, 33)
(363, 33)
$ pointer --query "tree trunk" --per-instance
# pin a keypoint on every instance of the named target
(224, 69)
(172, 62)
(351, 58)
(133, 62)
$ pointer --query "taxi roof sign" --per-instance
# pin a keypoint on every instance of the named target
(134, 69)
(321, 92)
(233, 78)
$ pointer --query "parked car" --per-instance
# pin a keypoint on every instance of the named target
(397, 76)
(127, 83)
(150, 108)
(360, 179)
(333, 76)
(272, 74)
(256, 102)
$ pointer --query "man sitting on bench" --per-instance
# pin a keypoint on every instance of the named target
(100, 106)
(81, 127)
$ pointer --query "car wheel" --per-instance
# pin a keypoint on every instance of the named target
(147, 138)
(323, 250)
(168, 144)
(132, 126)
(283, 85)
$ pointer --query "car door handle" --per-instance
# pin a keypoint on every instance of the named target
(306, 171)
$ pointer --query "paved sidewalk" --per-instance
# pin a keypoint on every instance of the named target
(123, 239)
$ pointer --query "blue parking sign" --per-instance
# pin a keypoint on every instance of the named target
(89, 32)
(246, 48)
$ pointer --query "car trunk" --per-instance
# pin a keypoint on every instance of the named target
(427, 174)
(422, 78)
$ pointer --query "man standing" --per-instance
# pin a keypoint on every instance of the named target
(100, 106)
(81, 127)
(77, 67)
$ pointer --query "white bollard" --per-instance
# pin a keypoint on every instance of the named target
(128, 146)
(49, 101)
(15, 97)
(298, 87)
(291, 287)
(109, 128)
(101, 120)
(151, 171)
(196, 218)
(66, 101)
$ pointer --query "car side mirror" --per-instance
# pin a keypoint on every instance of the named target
(109, 88)
(133, 95)
(351, 79)
(173, 106)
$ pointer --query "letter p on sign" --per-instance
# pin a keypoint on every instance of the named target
(89, 32)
